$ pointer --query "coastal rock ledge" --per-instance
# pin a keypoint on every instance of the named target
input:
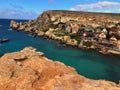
(31, 70)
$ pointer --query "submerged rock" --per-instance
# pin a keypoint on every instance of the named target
(31, 70)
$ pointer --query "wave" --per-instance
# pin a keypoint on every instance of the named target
(9, 29)
(31, 35)
(1, 25)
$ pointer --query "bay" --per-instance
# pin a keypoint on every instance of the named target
(88, 63)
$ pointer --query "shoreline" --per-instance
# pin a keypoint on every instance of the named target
(60, 41)
(70, 30)
(70, 45)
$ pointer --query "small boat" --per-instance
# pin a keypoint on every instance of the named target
(4, 40)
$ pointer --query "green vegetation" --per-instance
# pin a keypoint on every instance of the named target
(74, 36)
(87, 43)
(59, 32)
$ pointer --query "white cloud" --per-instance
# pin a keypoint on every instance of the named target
(51, 1)
(16, 6)
(96, 6)
(107, 11)
(17, 14)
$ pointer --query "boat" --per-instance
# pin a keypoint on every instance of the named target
(4, 40)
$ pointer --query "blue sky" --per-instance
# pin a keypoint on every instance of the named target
(31, 9)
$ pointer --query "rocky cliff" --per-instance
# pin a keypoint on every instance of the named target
(54, 18)
(31, 70)
(57, 24)
(80, 29)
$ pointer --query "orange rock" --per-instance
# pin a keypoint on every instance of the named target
(30, 70)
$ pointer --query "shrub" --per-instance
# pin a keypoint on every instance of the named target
(87, 43)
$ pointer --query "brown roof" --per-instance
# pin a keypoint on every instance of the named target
(102, 35)
(113, 38)
(118, 42)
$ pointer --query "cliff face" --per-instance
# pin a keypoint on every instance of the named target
(52, 18)
(31, 70)
(85, 18)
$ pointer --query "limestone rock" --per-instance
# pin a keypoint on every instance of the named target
(30, 70)
(40, 33)
(72, 42)
(66, 38)
(14, 24)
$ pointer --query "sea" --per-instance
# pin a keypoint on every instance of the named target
(88, 63)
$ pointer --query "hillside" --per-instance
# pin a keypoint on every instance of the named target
(79, 29)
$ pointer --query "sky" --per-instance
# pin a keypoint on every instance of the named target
(31, 9)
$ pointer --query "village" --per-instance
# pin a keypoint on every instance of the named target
(103, 37)
(100, 31)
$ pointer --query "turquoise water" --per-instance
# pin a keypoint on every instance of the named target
(88, 63)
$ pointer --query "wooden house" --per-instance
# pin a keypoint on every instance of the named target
(102, 35)
(118, 44)
(75, 27)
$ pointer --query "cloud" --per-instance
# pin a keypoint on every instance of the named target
(51, 1)
(96, 6)
(118, 10)
(107, 11)
(17, 6)
(17, 14)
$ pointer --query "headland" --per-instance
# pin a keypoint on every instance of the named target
(99, 31)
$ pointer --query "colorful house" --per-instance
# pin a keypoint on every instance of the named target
(118, 44)
(75, 27)
(104, 30)
(113, 39)
(102, 35)
(68, 29)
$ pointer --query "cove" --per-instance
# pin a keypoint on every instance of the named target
(88, 63)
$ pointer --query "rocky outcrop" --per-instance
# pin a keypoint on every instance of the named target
(31, 70)
(64, 19)
(53, 18)
(14, 24)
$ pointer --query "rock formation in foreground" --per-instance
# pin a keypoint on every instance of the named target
(31, 70)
